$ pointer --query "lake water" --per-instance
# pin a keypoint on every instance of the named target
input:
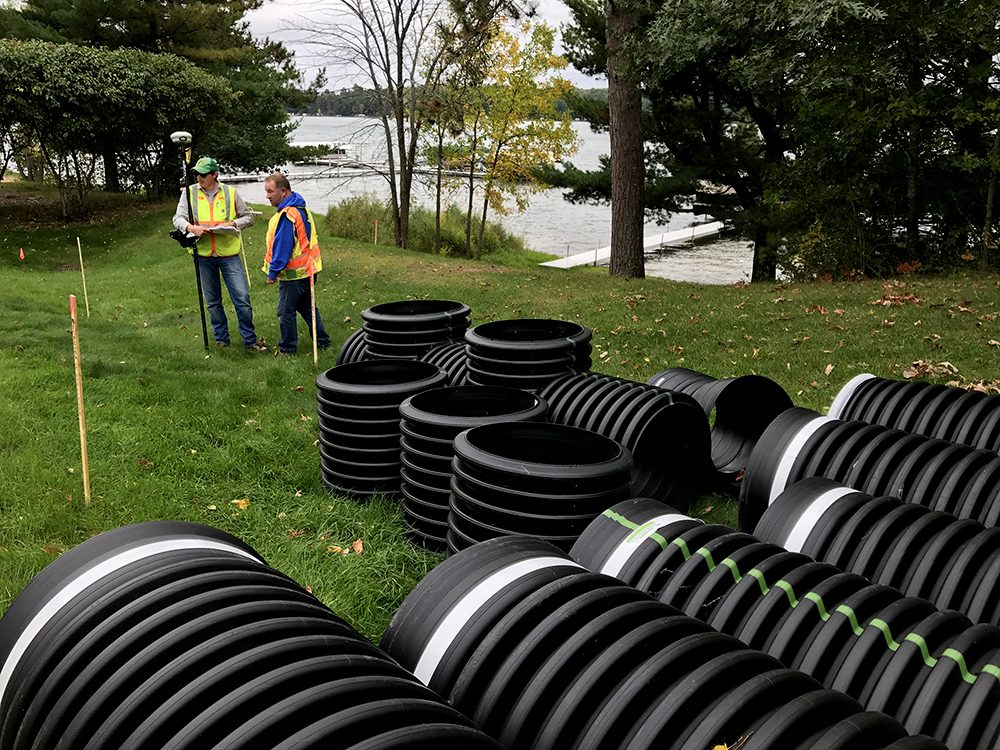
(549, 224)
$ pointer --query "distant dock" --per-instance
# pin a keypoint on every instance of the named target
(650, 244)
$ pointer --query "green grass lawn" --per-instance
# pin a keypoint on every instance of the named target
(173, 434)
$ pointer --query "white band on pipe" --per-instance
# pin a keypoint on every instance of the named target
(791, 452)
(456, 618)
(843, 399)
(621, 554)
(800, 532)
(75, 587)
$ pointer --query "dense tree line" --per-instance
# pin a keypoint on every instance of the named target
(360, 102)
(842, 136)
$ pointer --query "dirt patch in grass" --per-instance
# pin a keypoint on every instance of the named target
(25, 207)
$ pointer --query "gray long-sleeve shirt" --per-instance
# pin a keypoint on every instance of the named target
(243, 220)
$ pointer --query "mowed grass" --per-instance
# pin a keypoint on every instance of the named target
(228, 439)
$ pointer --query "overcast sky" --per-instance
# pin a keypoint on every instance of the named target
(271, 20)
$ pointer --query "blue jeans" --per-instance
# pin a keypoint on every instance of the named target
(294, 297)
(231, 270)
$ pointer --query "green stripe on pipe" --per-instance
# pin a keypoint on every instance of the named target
(882, 625)
(850, 615)
(708, 558)
(960, 660)
(818, 601)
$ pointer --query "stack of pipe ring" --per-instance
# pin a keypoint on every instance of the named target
(532, 478)
(526, 353)
(430, 422)
(359, 422)
(408, 329)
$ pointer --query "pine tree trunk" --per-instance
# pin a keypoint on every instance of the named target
(627, 170)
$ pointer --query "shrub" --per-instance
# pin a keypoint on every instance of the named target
(354, 218)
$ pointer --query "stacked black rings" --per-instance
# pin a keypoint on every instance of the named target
(933, 671)
(526, 353)
(408, 329)
(359, 422)
(667, 432)
(931, 409)
(544, 654)
(536, 479)
(430, 422)
(876, 460)
(744, 406)
(176, 636)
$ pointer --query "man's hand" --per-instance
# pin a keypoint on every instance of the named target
(197, 230)
(270, 280)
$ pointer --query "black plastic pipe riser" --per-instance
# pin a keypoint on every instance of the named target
(450, 358)
(934, 410)
(532, 478)
(361, 457)
(546, 655)
(743, 408)
(667, 432)
(430, 422)
(171, 636)
(895, 654)
(877, 460)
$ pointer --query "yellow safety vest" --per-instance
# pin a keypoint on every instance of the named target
(305, 258)
(210, 214)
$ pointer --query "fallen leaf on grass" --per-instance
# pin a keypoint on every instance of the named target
(926, 367)
(242, 503)
(357, 546)
(828, 369)
(334, 548)
(993, 343)
(708, 510)
(292, 533)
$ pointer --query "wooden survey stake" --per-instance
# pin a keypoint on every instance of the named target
(79, 400)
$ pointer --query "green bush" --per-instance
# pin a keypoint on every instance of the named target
(354, 218)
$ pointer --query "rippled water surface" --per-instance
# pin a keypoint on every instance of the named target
(550, 223)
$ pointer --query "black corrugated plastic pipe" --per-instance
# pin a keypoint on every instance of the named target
(178, 636)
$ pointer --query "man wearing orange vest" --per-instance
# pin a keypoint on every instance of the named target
(292, 257)
(215, 207)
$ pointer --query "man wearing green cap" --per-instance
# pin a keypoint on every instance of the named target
(219, 212)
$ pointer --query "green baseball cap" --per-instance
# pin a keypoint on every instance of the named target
(205, 165)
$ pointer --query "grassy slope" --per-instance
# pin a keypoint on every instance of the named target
(175, 435)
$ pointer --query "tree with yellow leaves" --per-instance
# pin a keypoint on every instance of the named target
(512, 124)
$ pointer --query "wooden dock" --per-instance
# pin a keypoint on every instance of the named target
(650, 244)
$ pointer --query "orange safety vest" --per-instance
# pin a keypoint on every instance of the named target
(305, 258)
(210, 214)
